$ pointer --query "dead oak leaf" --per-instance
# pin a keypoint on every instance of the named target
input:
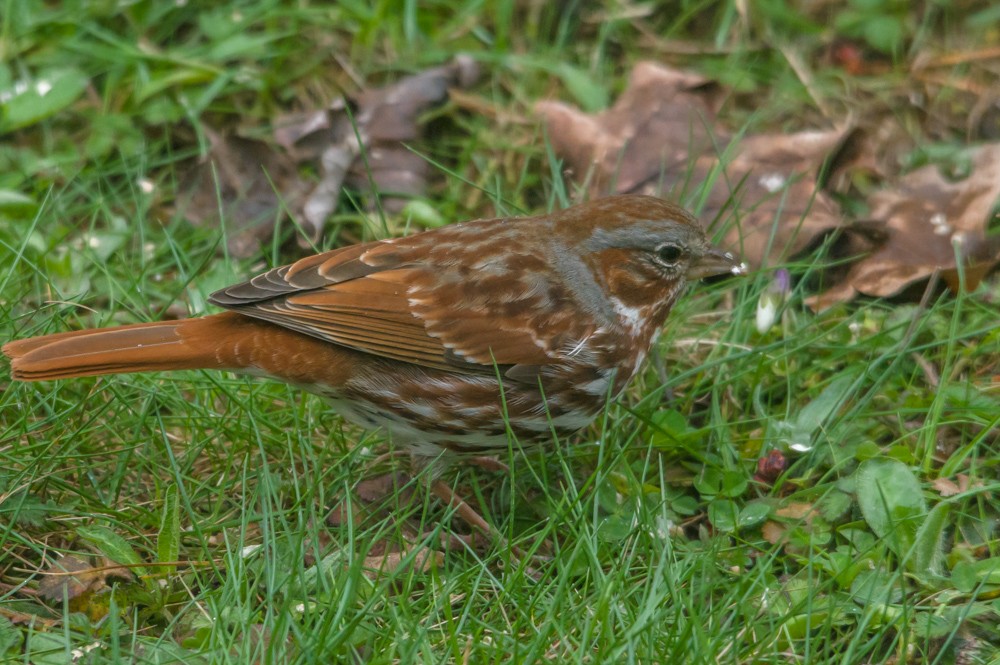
(365, 146)
(946, 487)
(661, 136)
(360, 143)
(770, 187)
(248, 182)
(796, 510)
(962, 483)
(929, 220)
(663, 117)
(773, 532)
(417, 560)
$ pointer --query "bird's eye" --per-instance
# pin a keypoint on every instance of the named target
(669, 253)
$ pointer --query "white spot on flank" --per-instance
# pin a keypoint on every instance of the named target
(597, 386)
(423, 410)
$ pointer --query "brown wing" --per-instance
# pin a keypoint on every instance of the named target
(412, 300)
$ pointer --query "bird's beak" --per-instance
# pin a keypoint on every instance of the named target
(715, 262)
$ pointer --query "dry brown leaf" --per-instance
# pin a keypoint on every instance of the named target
(796, 510)
(423, 561)
(75, 579)
(660, 137)
(946, 487)
(770, 187)
(371, 494)
(250, 181)
(773, 532)
(365, 147)
(928, 220)
(373, 490)
(662, 118)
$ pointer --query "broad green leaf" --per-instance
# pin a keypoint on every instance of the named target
(815, 415)
(32, 101)
(891, 502)
(884, 32)
(875, 587)
(113, 546)
(164, 652)
(928, 553)
(168, 539)
(670, 427)
(48, 649)
(423, 214)
(968, 577)
(723, 514)
(10, 637)
(614, 528)
(753, 514)
(16, 204)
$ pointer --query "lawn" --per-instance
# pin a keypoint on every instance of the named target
(815, 483)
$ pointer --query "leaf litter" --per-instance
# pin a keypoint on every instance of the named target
(361, 143)
(770, 191)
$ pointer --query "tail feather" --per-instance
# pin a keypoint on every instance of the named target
(185, 344)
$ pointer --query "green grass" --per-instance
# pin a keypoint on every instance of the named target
(218, 489)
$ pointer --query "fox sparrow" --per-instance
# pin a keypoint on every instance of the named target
(448, 339)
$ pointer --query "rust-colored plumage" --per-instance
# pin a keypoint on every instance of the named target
(443, 338)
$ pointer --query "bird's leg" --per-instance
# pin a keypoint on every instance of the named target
(442, 491)
(488, 463)
(431, 470)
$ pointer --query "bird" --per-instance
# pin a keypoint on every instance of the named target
(452, 340)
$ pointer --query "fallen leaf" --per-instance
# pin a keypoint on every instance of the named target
(769, 186)
(661, 137)
(796, 510)
(773, 532)
(946, 487)
(362, 144)
(373, 490)
(928, 220)
(423, 561)
(246, 180)
(662, 118)
(366, 146)
(75, 579)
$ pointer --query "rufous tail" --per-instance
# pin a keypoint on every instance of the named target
(202, 343)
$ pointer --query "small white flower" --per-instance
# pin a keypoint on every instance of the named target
(771, 300)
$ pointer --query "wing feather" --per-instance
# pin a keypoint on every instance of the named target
(410, 300)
